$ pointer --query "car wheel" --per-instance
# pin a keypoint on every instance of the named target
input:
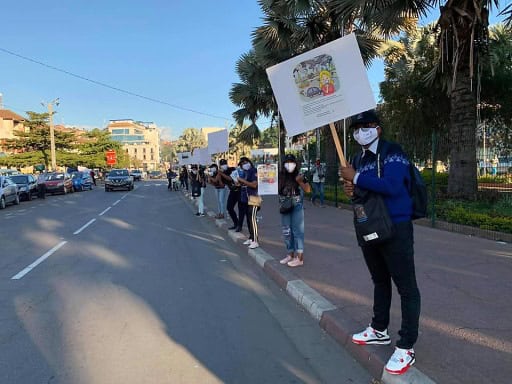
(17, 200)
(2, 202)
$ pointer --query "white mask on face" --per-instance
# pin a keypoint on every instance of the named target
(290, 167)
(246, 166)
(365, 136)
(213, 171)
(224, 167)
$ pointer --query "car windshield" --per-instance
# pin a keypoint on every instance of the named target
(118, 172)
(76, 175)
(20, 179)
(55, 176)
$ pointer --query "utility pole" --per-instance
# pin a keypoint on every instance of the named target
(52, 133)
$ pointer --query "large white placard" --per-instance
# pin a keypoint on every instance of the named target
(321, 86)
(218, 142)
(267, 179)
(201, 156)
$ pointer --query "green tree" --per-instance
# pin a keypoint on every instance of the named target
(190, 138)
(37, 138)
(462, 37)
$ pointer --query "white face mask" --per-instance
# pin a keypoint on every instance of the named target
(290, 167)
(213, 171)
(246, 166)
(365, 136)
(194, 171)
(224, 167)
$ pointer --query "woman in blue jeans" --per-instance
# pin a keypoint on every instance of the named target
(292, 223)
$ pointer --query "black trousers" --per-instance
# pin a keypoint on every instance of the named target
(233, 198)
(242, 213)
(394, 260)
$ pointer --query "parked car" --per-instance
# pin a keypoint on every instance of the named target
(58, 182)
(27, 186)
(118, 179)
(81, 181)
(8, 192)
(136, 174)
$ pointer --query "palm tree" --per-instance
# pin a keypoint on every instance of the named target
(463, 39)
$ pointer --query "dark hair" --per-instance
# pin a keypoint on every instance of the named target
(214, 165)
(287, 178)
(223, 161)
(244, 159)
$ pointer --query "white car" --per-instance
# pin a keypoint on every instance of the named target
(8, 192)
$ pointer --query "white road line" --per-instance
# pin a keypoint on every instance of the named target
(22, 273)
(83, 227)
(105, 211)
(117, 202)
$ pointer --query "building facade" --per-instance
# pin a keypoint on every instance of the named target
(9, 123)
(140, 140)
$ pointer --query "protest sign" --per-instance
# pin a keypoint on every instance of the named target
(184, 158)
(267, 179)
(218, 142)
(321, 86)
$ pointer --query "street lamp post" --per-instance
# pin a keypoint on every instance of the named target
(52, 133)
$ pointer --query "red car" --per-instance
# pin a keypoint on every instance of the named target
(58, 182)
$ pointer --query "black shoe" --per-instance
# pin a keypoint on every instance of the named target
(238, 229)
(198, 214)
(233, 227)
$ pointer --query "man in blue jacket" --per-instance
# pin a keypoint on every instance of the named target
(393, 259)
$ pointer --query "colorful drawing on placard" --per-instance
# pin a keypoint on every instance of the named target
(316, 78)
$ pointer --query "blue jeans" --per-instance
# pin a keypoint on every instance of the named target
(200, 205)
(318, 191)
(221, 198)
(292, 225)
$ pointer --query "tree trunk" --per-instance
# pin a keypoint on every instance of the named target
(462, 180)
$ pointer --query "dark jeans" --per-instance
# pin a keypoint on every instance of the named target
(242, 213)
(233, 198)
(394, 260)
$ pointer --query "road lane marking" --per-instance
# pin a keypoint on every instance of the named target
(84, 226)
(22, 273)
(105, 211)
(115, 203)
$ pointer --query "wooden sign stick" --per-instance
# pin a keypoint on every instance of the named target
(341, 156)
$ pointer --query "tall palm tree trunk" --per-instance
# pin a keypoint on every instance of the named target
(462, 181)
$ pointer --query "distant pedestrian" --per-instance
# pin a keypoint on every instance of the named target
(291, 184)
(41, 186)
(93, 177)
(184, 178)
(392, 259)
(318, 182)
(248, 179)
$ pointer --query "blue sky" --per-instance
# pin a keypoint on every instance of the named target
(182, 53)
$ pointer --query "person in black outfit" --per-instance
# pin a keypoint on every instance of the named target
(234, 192)
(392, 260)
(184, 177)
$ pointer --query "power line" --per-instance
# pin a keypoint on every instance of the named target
(110, 86)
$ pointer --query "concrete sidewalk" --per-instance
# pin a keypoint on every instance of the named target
(465, 283)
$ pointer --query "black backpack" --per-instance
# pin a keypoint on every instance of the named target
(417, 187)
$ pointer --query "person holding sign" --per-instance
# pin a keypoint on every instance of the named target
(292, 211)
(391, 259)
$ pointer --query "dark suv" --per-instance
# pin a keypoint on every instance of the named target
(118, 179)
(27, 186)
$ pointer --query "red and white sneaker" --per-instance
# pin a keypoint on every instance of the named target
(286, 259)
(371, 336)
(400, 361)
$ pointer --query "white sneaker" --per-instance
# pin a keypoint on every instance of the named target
(254, 244)
(286, 259)
(371, 336)
(247, 242)
(400, 361)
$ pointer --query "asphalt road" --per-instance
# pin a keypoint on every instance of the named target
(131, 287)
